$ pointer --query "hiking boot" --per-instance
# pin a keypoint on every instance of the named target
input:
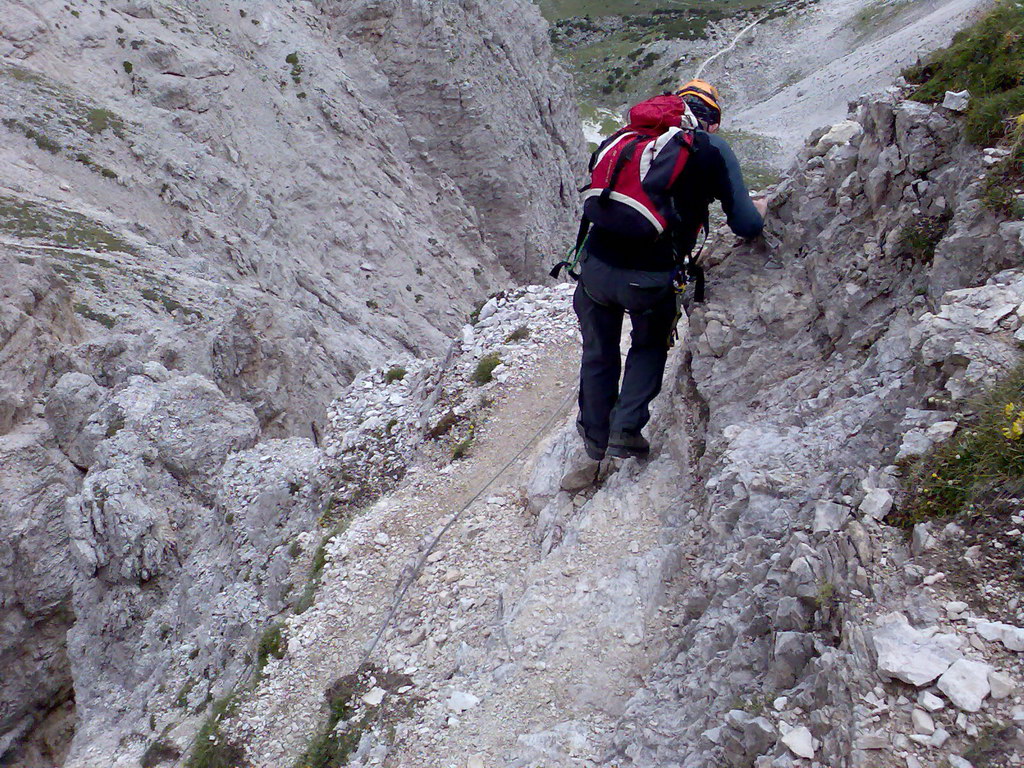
(625, 445)
(593, 449)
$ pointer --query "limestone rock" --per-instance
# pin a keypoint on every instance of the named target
(966, 684)
(829, 516)
(800, 742)
(1002, 685)
(911, 655)
(1010, 636)
(958, 101)
(877, 503)
(460, 701)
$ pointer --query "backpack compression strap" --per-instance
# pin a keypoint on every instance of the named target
(574, 254)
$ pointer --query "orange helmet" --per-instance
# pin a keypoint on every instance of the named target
(704, 91)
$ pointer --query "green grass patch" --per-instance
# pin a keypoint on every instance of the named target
(1004, 181)
(988, 60)
(271, 645)
(316, 569)
(522, 333)
(97, 317)
(461, 448)
(97, 120)
(986, 454)
(396, 373)
(211, 749)
(918, 239)
(484, 371)
(171, 305)
(44, 142)
(341, 731)
(56, 227)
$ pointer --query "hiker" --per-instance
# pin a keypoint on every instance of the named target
(631, 266)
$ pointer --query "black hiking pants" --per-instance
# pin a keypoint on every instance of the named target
(603, 294)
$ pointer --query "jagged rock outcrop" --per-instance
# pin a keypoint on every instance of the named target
(244, 205)
(37, 323)
(810, 361)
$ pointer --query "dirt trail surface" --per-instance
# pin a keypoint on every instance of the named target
(790, 79)
(513, 645)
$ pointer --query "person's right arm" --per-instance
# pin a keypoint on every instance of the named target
(745, 216)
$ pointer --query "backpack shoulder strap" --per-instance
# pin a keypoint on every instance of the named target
(602, 146)
(620, 163)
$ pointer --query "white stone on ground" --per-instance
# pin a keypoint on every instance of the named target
(910, 655)
(966, 684)
(800, 742)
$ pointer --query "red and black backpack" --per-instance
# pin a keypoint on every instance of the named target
(632, 174)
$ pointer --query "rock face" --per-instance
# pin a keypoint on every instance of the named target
(804, 379)
(36, 325)
(212, 216)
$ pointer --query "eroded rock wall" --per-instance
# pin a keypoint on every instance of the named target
(813, 357)
(212, 215)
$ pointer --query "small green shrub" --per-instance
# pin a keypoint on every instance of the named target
(158, 753)
(211, 750)
(181, 700)
(316, 570)
(461, 449)
(522, 333)
(918, 239)
(826, 595)
(293, 60)
(986, 454)
(999, 192)
(484, 371)
(332, 745)
(396, 373)
(271, 645)
(443, 426)
(128, 67)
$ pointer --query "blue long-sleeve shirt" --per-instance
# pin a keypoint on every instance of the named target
(712, 172)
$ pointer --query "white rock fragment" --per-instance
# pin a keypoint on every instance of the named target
(1002, 685)
(374, 697)
(930, 701)
(910, 655)
(922, 540)
(829, 516)
(955, 761)
(877, 503)
(475, 761)
(461, 701)
(940, 737)
(800, 742)
(954, 608)
(1010, 636)
(922, 721)
(957, 101)
(842, 132)
(966, 684)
